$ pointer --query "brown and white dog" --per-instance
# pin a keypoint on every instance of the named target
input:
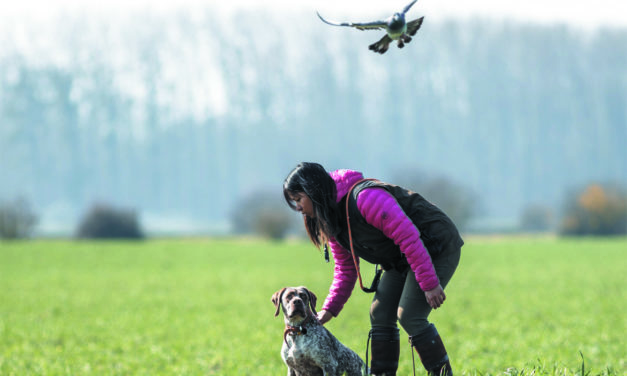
(309, 349)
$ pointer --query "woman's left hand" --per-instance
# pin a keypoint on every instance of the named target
(324, 316)
(435, 297)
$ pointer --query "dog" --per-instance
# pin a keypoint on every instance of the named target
(309, 349)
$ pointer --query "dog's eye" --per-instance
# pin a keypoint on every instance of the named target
(303, 296)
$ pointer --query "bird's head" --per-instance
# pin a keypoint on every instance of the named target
(397, 21)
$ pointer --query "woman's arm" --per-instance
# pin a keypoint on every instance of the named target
(381, 210)
(344, 277)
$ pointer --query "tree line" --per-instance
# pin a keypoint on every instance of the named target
(595, 209)
(165, 124)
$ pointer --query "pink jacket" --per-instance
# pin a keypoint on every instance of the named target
(380, 209)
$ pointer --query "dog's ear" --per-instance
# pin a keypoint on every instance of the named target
(276, 300)
(312, 301)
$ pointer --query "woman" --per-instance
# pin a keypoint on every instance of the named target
(415, 243)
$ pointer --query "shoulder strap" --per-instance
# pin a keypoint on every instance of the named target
(378, 272)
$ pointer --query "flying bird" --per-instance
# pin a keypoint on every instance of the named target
(395, 26)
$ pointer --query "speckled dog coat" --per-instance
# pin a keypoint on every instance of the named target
(309, 349)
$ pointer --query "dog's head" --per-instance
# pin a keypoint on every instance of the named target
(298, 304)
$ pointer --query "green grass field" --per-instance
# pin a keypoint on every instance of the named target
(516, 306)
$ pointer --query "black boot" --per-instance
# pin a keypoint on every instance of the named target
(385, 351)
(430, 348)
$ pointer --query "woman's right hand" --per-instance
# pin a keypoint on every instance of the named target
(324, 316)
(435, 297)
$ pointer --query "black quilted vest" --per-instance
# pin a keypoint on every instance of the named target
(437, 230)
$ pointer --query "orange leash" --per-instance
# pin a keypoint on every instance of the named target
(350, 234)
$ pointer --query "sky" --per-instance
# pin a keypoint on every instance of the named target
(582, 14)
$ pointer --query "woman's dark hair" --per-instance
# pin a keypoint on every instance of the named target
(313, 180)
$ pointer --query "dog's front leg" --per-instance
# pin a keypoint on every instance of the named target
(330, 368)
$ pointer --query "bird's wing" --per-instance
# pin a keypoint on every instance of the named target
(360, 26)
(413, 26)
(408, 6)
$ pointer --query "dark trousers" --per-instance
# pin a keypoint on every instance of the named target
(399, 297)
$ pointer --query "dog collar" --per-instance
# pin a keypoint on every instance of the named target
(296, 330)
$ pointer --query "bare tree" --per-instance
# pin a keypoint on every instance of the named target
(17, 220)
(104, 221)
(262, 212)
(458, 202)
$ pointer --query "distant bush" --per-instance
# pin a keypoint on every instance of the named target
(595, 210)
(17, 220)
(103, 221)
(536, 218)
(263, 212)
(458, 202)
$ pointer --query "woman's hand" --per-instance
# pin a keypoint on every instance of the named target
(324, 316)
(435, 297)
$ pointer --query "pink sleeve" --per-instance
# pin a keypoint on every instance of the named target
(381, 210)
(344, 277)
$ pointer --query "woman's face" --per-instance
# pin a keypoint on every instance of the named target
(303, 203)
